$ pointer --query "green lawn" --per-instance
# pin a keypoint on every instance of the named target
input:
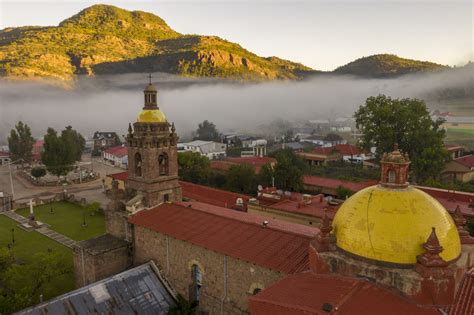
(67, 219)
(464, 137)
(29, 243)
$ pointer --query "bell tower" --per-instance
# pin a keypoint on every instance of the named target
(152, 155)
(394, 169)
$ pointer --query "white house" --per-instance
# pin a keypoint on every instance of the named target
(210, 149)
(117, 156)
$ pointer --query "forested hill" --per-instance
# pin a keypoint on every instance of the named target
(385, 66)
(104, 39)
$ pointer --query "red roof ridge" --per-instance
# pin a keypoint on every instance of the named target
(253, 219)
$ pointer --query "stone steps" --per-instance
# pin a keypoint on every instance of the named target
(58, 237)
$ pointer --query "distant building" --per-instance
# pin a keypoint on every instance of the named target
(37, 150)
(259, 148)
(117, 156)
(210, 149)
(4, 158)
(346, 152)
(257, 162)
(455, 151)
(461, 169)
(104, 140)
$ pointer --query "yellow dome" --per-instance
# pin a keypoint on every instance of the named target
(151, 116)
(391, 225)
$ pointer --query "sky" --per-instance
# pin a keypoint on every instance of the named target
(321, 34)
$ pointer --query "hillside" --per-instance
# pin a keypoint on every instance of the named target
(385, 66)
(105, 39)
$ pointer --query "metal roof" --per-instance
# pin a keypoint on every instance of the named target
(139, 290)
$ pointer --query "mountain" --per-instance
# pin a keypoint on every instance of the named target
(386, 66)
(104, 39)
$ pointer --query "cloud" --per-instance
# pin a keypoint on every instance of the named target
(109, 103)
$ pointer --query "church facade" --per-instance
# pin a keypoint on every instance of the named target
(409, 252)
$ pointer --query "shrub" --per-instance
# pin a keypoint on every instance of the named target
(38, 172)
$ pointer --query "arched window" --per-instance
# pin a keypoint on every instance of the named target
(197, 282)
(163, 164)
(138, 165)
(392, 176)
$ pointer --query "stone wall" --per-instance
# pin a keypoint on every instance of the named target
(175, 259)
(89, 268)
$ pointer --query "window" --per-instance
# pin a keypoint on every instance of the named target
(163, 164)
(391, 177)
(138, 165)
(166, 197)
(197, 282)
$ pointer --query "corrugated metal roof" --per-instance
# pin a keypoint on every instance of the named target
(280, 246)
(135, 291)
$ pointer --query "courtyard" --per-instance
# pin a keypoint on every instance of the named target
(68, 219)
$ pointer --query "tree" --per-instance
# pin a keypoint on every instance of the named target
(343, 192)
(241, 178)
(75, 142)
(193, 167)
(38, 172)
(20, 142)
(207, 131)
(266, 175)
(384, 121)
(333, 138)
(289, 171)
(57, 155)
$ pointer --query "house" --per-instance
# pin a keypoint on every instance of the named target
(117, 156)
(461, 169)
(210, 149)
(259, 148)
(455, 151)
(257, 162)
(346, 152)
(104, 140)
(37, 150)
(329, 186)
(4, 158)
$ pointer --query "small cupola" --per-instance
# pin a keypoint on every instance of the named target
(394, 169)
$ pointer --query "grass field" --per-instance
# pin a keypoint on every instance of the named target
(67, 219)
(28, 244)
(464, 137)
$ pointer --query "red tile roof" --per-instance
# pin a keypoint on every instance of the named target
(118, 151)
(119, 176)
(467, 161)
(332, 183)
(307, 292)
(280, 246)
(453, 147)
(315, 209)
(464, 301)
(257, 162)
(451, 199)
(3, 153)
(213, 196)
(344, 149)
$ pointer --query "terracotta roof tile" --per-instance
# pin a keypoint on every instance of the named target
(257, 162)
(464, 301)
(280, 246)
(332, 183)
(213, 196)
(118, 151)
(122, 176)
(467, 161)
(307, 292)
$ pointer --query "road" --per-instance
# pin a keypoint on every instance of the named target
(91, 191)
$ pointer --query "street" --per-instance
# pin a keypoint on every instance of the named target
(91, 191)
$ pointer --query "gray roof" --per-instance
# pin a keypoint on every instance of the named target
(139, 290)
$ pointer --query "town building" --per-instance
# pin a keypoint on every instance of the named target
(37, 150)
(210, 149)
(345, 152)
(390, 246)
(104, 140)
(117, 156)
(461, 169)
(257, 162)
(4, 158)
(455, 151)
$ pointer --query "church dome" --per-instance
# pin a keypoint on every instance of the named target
(391, 224)
(151, 116)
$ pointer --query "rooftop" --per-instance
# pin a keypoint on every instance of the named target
(467, 161)
(213, 196)
(103, 243)
(310, 293)
(257, 162)
(122, 176)
(280, 246)
(335, 183)
(118, 151)
(136, 291)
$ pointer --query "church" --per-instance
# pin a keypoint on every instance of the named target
(390, 248)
